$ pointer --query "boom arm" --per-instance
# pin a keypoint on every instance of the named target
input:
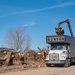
(60, 31)
(67, 21)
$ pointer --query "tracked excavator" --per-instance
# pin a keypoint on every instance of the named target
(62, 47)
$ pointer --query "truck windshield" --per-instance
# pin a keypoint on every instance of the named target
(58, 47)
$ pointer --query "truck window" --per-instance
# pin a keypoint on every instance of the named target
(58, 47)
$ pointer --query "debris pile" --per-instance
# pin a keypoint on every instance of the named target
(31, 58)
(8, 57)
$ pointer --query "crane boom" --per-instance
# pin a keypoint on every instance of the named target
(60, 31)
(67, 21)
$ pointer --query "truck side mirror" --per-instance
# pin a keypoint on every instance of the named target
(48, 48)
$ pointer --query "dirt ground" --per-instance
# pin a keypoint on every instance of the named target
(45, 71)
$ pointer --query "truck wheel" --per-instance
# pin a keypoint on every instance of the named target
(48, 65)
(67, 63)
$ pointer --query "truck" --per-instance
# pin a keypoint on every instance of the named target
(62, 47)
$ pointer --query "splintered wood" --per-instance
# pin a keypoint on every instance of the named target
(30, 58)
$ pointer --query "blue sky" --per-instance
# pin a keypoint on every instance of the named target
(39, 17)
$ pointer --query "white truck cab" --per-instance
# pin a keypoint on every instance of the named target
(57, 54)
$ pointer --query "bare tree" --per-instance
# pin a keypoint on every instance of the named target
(28, 43)
(18, 39)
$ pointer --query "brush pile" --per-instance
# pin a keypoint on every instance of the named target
(31, 58)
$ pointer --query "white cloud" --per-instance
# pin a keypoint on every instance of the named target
(29, 24)
(71, 3)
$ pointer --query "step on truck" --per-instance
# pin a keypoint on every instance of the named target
(62, 47)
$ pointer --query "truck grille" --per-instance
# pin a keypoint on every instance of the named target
(54, 56)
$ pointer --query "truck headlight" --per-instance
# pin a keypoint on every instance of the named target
(64, 52)
(47, 57)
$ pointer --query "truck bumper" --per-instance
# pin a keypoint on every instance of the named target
(55, 61)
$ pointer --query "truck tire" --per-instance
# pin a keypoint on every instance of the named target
(48, 65)
(67, 63)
